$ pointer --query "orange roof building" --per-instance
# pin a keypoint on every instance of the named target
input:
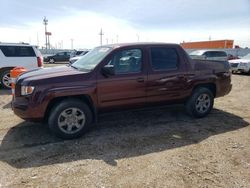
(208, 44)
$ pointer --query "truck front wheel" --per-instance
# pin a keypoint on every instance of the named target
(70, 119)
(200, 103)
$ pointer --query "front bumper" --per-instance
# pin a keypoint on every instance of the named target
(25, 109)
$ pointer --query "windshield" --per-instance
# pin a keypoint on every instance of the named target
(89, 61)
(246, 56)
(196, 52)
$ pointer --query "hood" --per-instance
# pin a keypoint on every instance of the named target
(52, 74)
(239, 61)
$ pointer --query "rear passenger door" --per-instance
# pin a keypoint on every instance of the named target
(166, 75)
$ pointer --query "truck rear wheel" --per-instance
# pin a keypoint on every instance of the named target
(200, 103)
(70, 119)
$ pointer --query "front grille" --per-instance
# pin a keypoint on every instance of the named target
(234, 64)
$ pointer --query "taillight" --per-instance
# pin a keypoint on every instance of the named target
(39, 61)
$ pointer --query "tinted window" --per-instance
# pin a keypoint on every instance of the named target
(18, 51)
(208, 54)
(78, 52)
(127, 61)
(60, 54)
(163, 58)
(215, 54)
(221, 54)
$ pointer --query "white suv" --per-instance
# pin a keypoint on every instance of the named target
(17, 55)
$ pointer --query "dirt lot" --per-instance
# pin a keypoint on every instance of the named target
(151, 148)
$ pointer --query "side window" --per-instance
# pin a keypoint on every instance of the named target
(221, 54)
(60, 54)
(127, 61)
(8, 51)
(208, 54)
(163, 58)
(18, 51)
(26, 51)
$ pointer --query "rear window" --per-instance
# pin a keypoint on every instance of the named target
(18, 51)
(164, 58)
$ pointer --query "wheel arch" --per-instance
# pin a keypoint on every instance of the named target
(210, 86)
(85, 98)
(2, 69)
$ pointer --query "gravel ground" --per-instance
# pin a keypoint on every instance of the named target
(151, 148)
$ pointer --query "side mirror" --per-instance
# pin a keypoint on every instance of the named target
(108, 70)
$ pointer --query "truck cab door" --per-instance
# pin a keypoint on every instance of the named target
(126, 87)
(167, 75)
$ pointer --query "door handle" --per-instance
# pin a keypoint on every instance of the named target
(140, 79)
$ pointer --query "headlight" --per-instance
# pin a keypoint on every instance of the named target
(27, 90)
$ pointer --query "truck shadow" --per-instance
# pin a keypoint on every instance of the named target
(118, 135)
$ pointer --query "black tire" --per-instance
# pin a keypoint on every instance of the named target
(56, 117)
(197, 108)
(3, 79)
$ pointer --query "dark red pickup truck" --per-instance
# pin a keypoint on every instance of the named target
(116, 77)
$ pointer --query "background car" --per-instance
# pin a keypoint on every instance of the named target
(231, 57)
(17, 55)
(241, 65)
(209, 55)
(58, 57)
(74, 59)
(76, 53)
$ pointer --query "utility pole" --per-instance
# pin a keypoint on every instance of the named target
(117, 38)
(45, 22)
(37, 40)
(138, 37)
(48, 42)
(72, 44)
(101, 34)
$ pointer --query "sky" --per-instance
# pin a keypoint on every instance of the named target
(80, 21)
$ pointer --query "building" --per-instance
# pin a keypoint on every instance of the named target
(213, 44)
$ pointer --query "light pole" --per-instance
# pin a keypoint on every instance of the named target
(72, 43)
(138, 37)
(45, 22)
(101, 34)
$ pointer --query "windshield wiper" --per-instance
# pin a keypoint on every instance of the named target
(74, 67)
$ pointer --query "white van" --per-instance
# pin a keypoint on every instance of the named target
(17, 55)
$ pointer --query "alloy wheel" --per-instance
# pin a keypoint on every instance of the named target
(71, 120)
